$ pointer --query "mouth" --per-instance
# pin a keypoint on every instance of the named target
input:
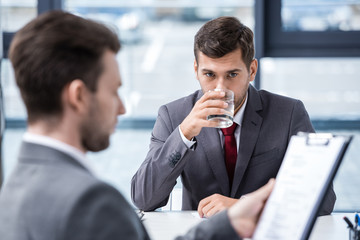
(114, 126)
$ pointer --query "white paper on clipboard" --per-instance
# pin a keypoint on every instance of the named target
(308, 168)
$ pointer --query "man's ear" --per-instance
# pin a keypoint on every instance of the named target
(253, 69)
(196, 69)
(76, 95)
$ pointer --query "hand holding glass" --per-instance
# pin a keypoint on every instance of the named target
(224, 120)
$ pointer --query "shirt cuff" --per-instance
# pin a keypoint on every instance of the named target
(188, 143)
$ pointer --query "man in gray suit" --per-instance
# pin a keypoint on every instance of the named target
(68, 76)
(185, 144)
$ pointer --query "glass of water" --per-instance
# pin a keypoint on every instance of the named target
(224, 120)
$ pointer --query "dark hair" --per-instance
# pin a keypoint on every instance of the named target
(223, 35)
(51, 51)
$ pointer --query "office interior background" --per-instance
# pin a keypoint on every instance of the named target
(308, 50)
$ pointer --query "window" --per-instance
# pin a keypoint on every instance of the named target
(329, 87)
(307, 50)
(156, 60)
(324, 28)
(310, 50)
(16, 13)
(14, 107)
(328, 15)
(13, 15)
(156, 64)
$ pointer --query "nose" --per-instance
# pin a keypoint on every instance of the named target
(220, 83)
(121, 108)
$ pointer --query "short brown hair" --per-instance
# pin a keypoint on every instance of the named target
(223, 35)
(51, 51)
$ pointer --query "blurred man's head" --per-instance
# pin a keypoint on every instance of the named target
(66, 64)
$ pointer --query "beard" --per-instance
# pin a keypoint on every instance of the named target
(94, 136)
(92, 140)
(240, 101)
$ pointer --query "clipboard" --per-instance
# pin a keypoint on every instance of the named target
(308, 169)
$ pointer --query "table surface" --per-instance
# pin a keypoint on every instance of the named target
(165, 225)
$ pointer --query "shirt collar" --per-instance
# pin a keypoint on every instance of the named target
(60, 146)
(240, 114)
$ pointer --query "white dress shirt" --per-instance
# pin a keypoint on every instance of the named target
(60, 146)
(237, 119)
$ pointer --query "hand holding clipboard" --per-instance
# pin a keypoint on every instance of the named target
(308, 168)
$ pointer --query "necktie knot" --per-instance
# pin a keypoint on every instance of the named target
(230, 130)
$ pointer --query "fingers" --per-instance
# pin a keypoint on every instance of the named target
(211, 107)
(209, 104)
(202, 203)
(212, 95)
(212, 210)
(206, 205)
(264, 192)
(213, 110)
(214, 103)
(212, 99)
(245, 213)
(209, 209)
(213, 204)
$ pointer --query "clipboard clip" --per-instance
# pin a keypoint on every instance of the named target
(317, 138)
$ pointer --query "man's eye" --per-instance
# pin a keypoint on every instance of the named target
(209, 74)
(232, 75)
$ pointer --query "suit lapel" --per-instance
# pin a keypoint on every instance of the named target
(209, 140)
(250, 129)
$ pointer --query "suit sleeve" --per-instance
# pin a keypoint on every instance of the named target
(153, 182)
(301, 122)
(217, 227)
(102, 213)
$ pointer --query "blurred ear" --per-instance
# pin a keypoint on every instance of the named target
(253, 69)
(76, 95)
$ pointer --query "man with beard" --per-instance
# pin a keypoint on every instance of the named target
(66, 69)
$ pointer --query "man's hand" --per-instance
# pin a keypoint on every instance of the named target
(209, 104)
(214, 204)
(245, 213)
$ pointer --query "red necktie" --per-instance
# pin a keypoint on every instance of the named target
(230, 150)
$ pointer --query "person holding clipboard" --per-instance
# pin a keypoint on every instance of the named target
(72, 103)
(308, 169)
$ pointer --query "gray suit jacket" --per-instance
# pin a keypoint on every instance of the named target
(269, 122)
(51, 196)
